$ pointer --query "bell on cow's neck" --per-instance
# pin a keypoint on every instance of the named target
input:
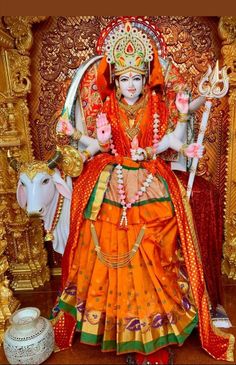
(49, 236)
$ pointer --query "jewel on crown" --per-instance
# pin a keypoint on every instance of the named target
(129, 49)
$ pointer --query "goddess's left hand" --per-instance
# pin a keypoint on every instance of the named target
(194, 150)
(64, 126)
(182, 102)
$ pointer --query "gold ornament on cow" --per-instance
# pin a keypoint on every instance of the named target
(49, 237)
(71, 162)
(35, 167)
(49, 233)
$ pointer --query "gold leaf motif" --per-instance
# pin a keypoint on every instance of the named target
(6, 40)
(20, 29)
(19, 72)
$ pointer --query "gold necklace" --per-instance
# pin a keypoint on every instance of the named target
(131, 112)
(49, 233)
(120, 260)
(132, 130)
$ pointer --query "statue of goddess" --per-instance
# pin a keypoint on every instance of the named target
(132, 277)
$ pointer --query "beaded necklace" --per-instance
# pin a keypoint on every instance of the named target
(121, 260)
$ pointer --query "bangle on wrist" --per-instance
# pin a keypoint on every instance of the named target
(183, 117)
(104, 146)
(76, 135)
(183, 148)
(150, 152)
(87, 154)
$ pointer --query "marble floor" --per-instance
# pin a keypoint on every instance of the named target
(190, 353)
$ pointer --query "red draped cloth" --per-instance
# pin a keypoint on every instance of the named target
(207, 212)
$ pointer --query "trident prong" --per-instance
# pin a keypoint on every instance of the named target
(214, 83)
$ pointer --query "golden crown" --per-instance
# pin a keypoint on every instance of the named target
(129, 49)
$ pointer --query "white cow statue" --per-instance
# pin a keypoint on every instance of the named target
(38, 191)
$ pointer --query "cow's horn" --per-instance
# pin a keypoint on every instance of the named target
(52, 163)
(13, 162)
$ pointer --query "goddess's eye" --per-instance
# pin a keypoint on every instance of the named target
(45, 181)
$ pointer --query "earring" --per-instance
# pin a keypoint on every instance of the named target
(118, 93)
(143, 90)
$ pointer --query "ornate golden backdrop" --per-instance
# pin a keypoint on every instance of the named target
(62, 43)
(37, 56)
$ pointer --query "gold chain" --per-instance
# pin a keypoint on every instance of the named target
(116, 261)
(132, 109)
(134, 130)
(49, 233)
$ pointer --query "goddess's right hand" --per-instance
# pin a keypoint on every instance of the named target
(103, 128)
(64, 127)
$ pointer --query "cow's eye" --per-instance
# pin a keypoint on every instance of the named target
(23, 184)
(45, 181)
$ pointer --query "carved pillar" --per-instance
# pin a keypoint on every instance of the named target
(21, 239)
(8, 303)
(227, 31)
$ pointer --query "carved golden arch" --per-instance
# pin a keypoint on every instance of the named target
(24, 241)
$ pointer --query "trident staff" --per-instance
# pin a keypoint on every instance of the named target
(214, 84)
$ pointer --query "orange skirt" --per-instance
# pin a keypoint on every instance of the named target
(146, 304)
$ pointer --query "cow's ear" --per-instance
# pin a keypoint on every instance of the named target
(21, 195)
(62, 186)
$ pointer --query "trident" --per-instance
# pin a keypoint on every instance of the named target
(214, 84)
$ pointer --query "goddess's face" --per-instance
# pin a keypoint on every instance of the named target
(131, 85)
